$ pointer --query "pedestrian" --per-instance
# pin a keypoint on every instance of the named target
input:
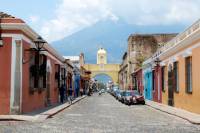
(81, 91)
(62, 91)
(70, 95)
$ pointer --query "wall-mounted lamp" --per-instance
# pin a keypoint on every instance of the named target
(155, 64)
(157, 61)
(39, 44)
(1, 40)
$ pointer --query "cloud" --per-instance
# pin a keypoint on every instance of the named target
(156, 12)
(34, 19)
(71, 16)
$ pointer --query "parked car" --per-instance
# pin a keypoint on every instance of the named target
(119, 95)
(102, 91)
(137, 98)
(126, 97)
(114, 90)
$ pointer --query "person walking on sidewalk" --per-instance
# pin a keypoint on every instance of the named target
(70, 95)
(62, 90)
(81, 91)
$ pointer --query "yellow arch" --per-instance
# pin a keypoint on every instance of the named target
(111, 70)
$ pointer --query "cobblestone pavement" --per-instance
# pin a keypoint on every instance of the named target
(104, 114)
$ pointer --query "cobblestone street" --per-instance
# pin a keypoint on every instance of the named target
(99, 114)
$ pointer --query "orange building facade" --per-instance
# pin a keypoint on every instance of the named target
(180, 63)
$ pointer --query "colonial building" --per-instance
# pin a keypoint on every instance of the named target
(103, 67)
(177, 70)
(69, 76)
(123, 73)
(140, 48)
(30, 69)
(76, 73)
(85, 81)
(81, 76)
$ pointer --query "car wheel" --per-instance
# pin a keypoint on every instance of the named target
(143, 102)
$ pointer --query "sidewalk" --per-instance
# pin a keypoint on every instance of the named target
(191, 117)
(38, 117)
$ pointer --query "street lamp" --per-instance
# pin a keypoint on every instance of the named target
(39, 43)
(157, 61)
(1, 40)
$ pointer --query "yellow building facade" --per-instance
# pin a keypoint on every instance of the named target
(110, 70)
(180, 60)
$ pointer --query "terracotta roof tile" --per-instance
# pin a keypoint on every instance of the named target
(5, 15)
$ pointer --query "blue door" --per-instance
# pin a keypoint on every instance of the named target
(148, 85)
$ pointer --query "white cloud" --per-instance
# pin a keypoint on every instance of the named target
(34, 19)
(73, 15)
(157, 12)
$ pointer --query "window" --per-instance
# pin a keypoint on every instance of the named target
(36, 77)
(32, 72)
(57, 75)
(176, 77)
(135, 83)
(43, 75)
(188, 74)
(163, 78)
(153, 80)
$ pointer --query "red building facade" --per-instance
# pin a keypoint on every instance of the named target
(138, 81)
(157, 83)
(24, 88)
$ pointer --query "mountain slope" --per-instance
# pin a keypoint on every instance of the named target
(107, 34)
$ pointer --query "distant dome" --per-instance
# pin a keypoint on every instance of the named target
(101, 51)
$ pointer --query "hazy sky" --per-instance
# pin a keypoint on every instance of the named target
(64, 17)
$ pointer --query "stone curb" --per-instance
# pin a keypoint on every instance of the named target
(42, 116)
(189, 116)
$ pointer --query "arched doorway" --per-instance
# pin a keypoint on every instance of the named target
(104, 81)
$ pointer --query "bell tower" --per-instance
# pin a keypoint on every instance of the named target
(101, 56)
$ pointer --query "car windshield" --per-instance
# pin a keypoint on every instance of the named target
(136, 93)
(123, 93)
(128, 93)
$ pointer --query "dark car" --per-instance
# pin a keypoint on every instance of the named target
(137, 98)
(119, 95)
(126, 97)
(114, 91)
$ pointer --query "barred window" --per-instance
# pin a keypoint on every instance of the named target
(188, 74)
(43, 71)
(36, 77)
(32, 72)
(163, 78)
(57, 75)
(153, 80)
(176, 77)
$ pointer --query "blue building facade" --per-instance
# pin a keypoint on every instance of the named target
(148, 81)
(77, 85)
(76, 80)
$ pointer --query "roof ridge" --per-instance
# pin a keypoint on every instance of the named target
(5, 15)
